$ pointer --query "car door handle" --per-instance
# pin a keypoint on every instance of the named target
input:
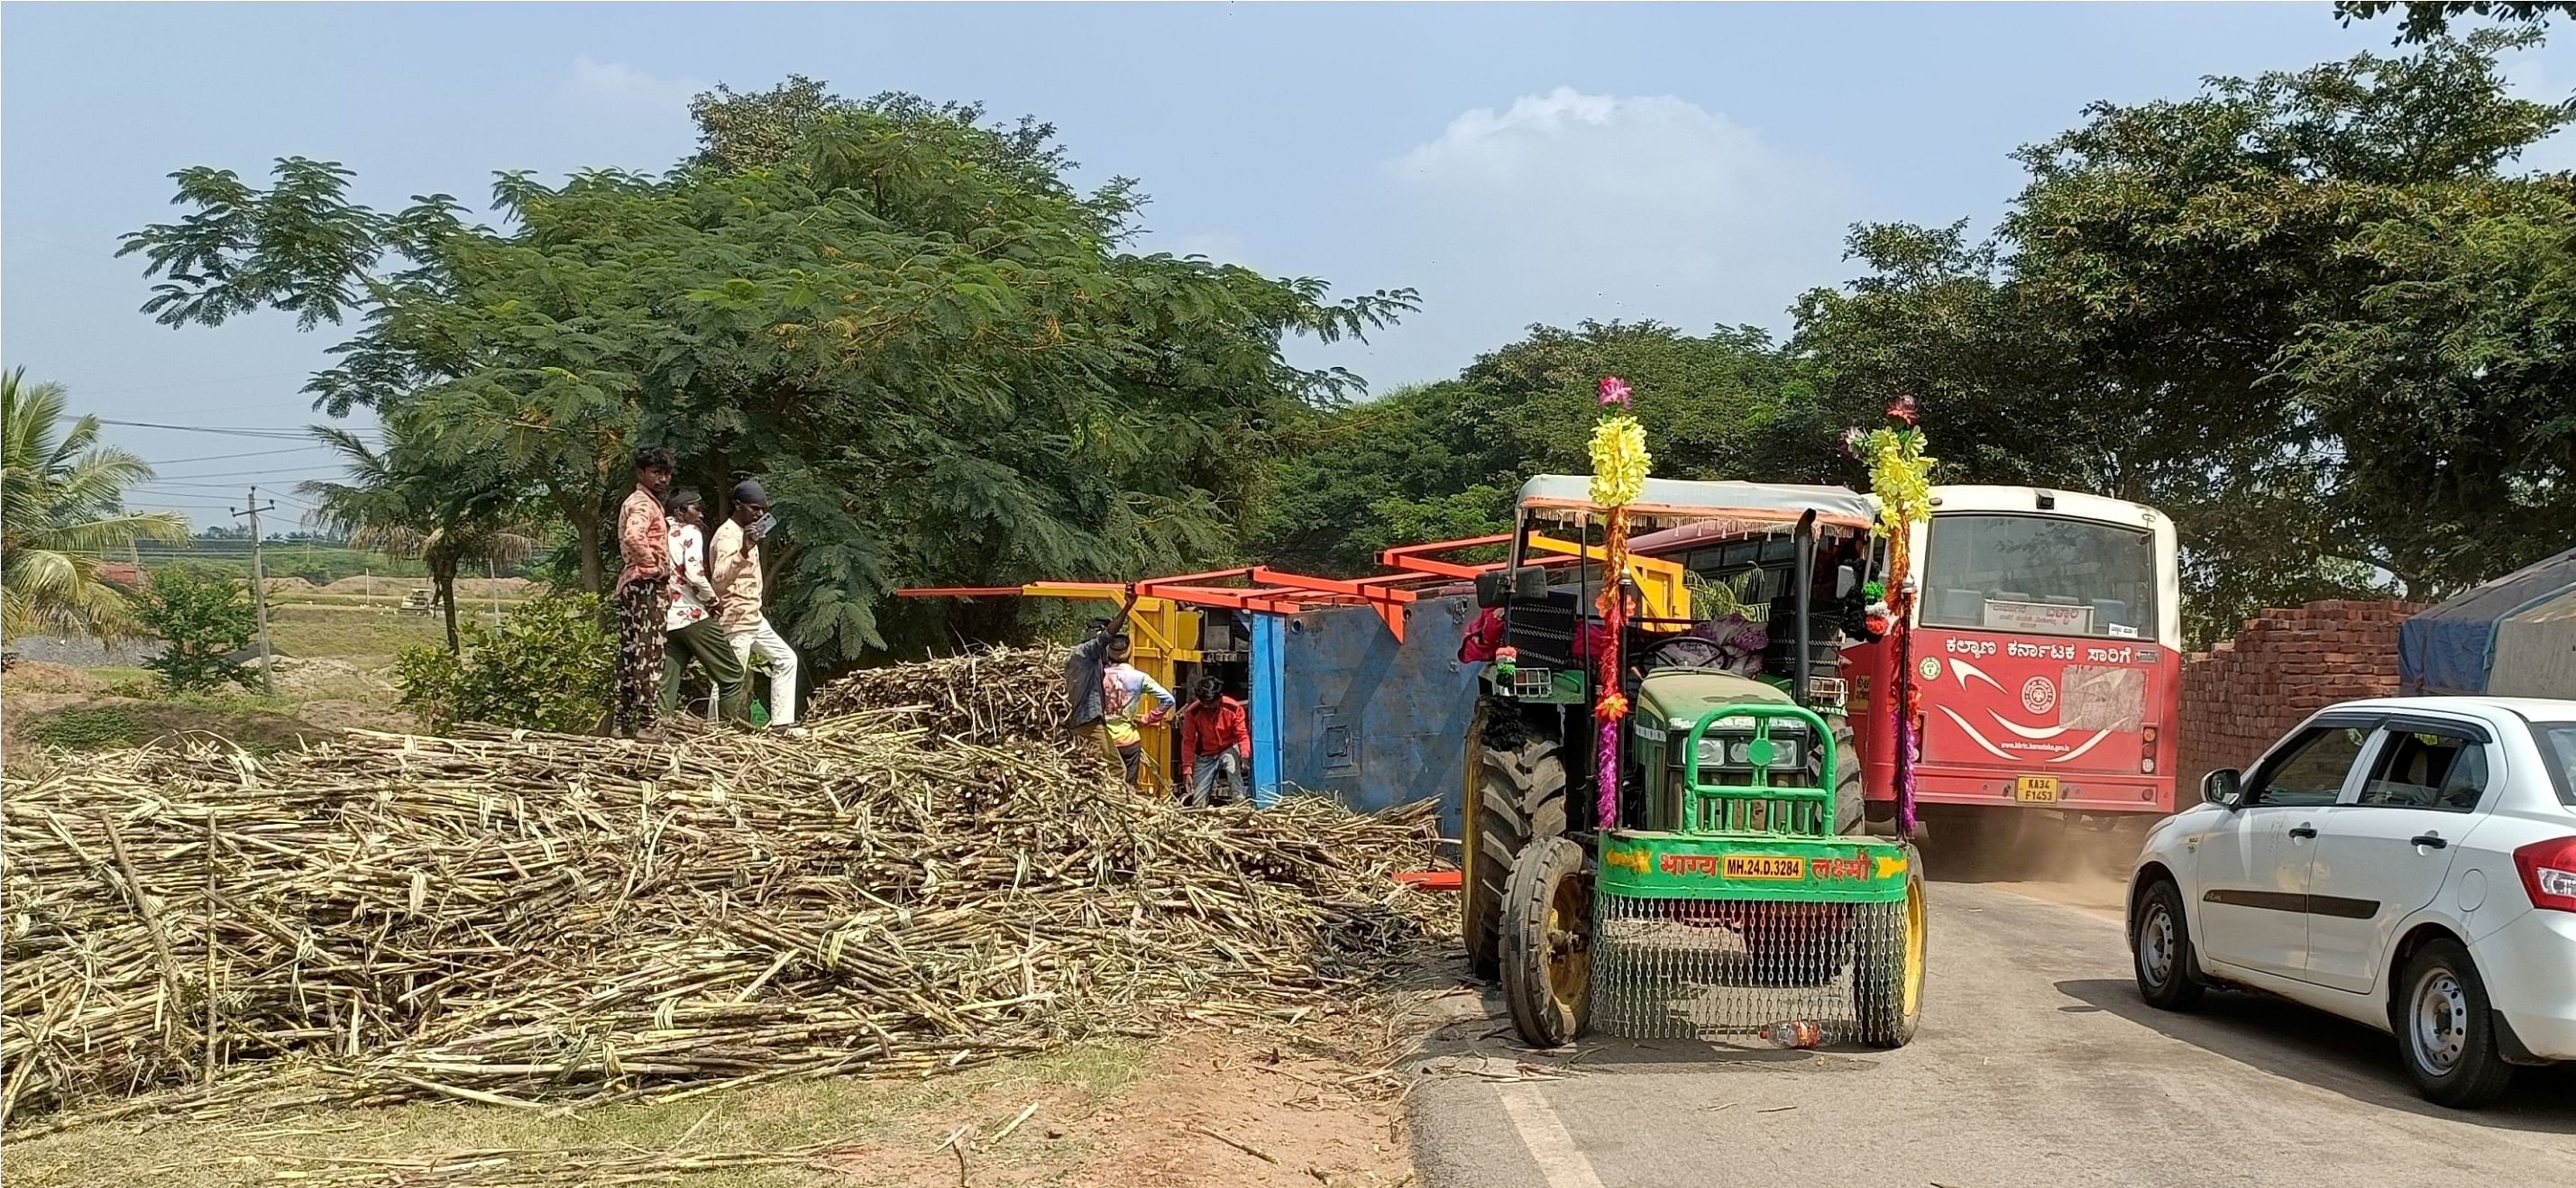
(2303, 831)
(2431, 840)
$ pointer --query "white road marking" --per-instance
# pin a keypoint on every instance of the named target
(1560, 1163)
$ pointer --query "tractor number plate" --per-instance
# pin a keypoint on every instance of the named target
(2035, 789)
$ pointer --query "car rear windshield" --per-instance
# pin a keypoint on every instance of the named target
(2558, 753)
(2042, 574)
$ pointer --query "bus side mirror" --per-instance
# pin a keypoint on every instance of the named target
(2224, 787)
(1846, 580)
(1502, 587)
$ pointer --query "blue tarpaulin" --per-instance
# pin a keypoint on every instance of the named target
(2450, 648)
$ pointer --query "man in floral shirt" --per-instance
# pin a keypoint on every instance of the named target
(643, 595)
(694, 632)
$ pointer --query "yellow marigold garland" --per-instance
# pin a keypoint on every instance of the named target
(1619, 468)
(1619, 460)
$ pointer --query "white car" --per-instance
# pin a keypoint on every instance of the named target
(2409, 863)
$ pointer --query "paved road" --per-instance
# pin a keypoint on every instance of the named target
(2037, 1066)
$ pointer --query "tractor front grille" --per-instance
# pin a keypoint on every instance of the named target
(1707, 969)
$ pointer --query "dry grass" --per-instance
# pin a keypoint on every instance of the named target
(366, 636)
(887, 1125)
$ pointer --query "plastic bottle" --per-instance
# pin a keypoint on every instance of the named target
(1795, 1033)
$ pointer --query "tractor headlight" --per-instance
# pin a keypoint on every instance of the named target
(1787, 751)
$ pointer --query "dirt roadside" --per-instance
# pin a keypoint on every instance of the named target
(1219, 1112)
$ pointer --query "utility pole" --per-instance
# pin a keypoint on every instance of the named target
(492, 582)
(259, 593)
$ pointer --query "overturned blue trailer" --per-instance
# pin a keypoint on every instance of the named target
(1353, 688)
(1340, 707)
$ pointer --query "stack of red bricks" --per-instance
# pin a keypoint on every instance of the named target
(2243, 695)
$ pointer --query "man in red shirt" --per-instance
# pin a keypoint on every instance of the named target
(1216, 739)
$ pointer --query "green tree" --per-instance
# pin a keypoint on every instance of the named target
(2430, 20)
(931, 347)
(549, 666)
(202, 619)
(62, 514)
(1443, 461)
(2209, 305)
(405, 502)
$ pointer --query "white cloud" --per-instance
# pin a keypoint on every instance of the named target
(1642, 176)
(1569, 205)
(617, 85)
(1221, 249)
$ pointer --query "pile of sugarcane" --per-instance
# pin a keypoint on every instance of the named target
(986, 694)
(524, 919)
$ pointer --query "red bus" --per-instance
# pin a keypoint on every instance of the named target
(2047, 640)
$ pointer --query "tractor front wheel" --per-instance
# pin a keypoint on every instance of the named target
(1889, 965)
(1547, 939)
(1518, 799)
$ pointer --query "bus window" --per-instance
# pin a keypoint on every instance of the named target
(2040, 574)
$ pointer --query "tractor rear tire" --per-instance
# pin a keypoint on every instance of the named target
(1547, 943)
(1851, 813)
(1888, 968)
(1519, 800)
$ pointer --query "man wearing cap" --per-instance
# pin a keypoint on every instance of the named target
(1125, 691)
(738, 582)
(693, 631)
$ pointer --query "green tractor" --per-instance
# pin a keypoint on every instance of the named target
(1737, 883)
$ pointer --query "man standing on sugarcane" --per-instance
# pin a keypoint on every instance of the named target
(739, 584)
(642, 596)
(694, 633)
(1216, 742)
(1125, 691)
(1086, 712)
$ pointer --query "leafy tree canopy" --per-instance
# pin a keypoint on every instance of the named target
(933, 349)
(2309, 314)
(2430, 20)
(1443, 461)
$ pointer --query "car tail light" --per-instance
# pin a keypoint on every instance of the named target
(2549, 873)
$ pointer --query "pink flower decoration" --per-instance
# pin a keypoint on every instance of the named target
(1903, 409)
(1614, 390)
(1852, 439)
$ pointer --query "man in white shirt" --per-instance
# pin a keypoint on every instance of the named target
(693, 632)
(739, 587)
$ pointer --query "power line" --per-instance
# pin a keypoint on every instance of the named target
(280, 432)
(238, 379)
(243, 454)
(207, 474)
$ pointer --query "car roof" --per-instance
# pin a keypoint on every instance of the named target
(2536, 709)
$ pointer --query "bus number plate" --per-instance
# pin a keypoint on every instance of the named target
(2035, 789)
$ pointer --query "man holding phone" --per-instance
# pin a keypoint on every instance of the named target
(738, 582)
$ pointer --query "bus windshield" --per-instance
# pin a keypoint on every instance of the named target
(2041, 574)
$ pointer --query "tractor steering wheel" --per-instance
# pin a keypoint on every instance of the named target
(1680, 651)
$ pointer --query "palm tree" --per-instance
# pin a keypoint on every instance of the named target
(403, 502)
(62, 511)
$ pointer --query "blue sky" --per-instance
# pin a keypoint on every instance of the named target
(1518, 164)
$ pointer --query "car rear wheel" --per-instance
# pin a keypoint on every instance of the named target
(2160, 941)
(2446, 1029)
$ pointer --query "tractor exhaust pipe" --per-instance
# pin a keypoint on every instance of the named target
(1806, 588)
